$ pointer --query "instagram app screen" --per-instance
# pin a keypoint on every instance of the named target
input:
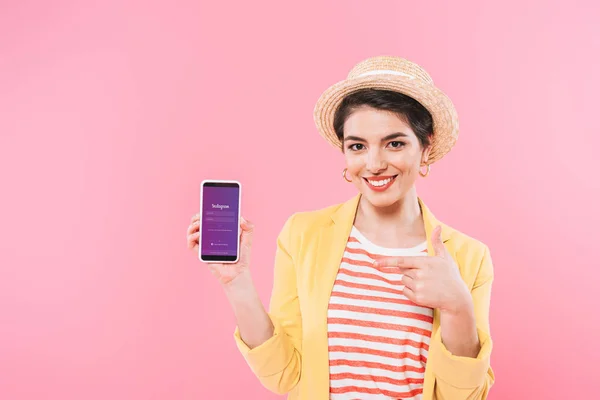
(220, 220)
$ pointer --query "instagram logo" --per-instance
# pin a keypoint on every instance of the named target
(220, 206)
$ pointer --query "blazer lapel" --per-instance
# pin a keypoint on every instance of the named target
(333, 237)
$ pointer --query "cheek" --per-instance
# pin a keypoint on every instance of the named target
(406, 166)
(354, 164)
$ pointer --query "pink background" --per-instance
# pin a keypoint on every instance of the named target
(111, 113)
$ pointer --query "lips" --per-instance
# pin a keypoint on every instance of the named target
(380, 183)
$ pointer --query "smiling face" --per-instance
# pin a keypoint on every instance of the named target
(383, 155)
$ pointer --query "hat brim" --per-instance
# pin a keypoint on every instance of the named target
(443, 112)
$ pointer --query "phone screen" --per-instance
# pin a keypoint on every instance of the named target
(220, 206)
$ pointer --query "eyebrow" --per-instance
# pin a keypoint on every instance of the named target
(388, 137)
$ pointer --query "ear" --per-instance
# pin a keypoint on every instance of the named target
(425, 155)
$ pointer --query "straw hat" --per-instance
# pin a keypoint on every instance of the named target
(397, 74)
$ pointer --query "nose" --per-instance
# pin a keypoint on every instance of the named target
(376, 163)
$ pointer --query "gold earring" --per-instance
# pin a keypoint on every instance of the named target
(344, 175)
(426, 173)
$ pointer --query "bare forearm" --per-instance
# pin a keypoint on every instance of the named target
(459, 331)
(253, 322)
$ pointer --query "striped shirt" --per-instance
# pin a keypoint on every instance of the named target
(378, 339)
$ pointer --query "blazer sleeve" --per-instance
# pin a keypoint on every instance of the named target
(466, 378)
(277, 362)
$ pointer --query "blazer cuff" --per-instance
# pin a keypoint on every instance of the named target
(457, 371)
(272, 356)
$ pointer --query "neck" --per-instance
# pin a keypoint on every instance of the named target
(404, 213)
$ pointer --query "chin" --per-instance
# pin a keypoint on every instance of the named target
(382, 200)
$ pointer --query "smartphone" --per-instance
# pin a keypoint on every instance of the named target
(220, 206)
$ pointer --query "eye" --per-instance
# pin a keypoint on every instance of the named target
(356, 146)
(397, 144)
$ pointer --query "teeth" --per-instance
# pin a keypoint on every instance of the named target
(380, 183)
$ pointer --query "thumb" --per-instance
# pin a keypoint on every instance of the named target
(438, 245)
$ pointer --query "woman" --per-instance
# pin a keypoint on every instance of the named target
(372, 298)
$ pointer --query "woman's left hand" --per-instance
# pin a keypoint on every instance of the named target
(431, 281)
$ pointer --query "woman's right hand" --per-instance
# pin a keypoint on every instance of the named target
(226, 273)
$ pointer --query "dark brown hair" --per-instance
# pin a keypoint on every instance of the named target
(405, 107)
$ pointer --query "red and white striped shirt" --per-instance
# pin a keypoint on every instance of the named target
(378, 339)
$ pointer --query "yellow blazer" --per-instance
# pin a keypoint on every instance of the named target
(309, 252)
